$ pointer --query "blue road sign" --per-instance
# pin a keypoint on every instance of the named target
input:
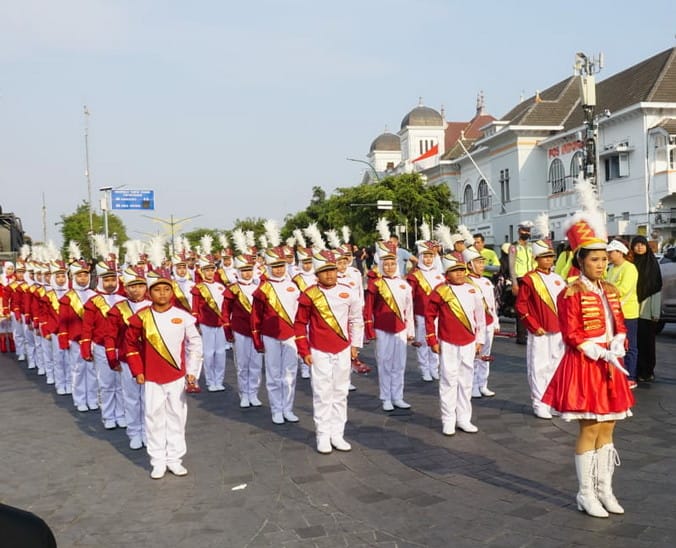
(133, 199)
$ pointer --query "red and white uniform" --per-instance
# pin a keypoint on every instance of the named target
(207, 300)
(329, 322)
(236, 312)
(85, 383)
(93, 348)
(481, 363)
(63, 380)
(423, 279)
(116, 350)
(304, 280)
(459, 310)
(14, 304)
(536, 307)
(591, 320)
(273, 313)
(388, 318)
(164, 347)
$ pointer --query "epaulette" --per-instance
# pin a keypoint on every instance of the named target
(610, 289)
(574, 287)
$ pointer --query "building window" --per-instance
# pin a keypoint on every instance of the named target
(617, 166)
(421, 147)
(557, 176)
(504, 186)
(672, 158)
(468, 199)
(483, 195)
(576, 164)
(389, 166)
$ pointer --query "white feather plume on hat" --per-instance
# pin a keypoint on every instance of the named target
(315, 236)
(24, 252)
(425, 233)
(239, 241)
(290, 241)
(466, 234)
(591, 208)
(332, 239)
(383, 229)
(443, 234)
(346, 234)
(250, 238)
(74, 251)
(53, 253)
(223, 241)
(272, 233)
(300, 239)
(542, 226)
(132, 253)
(262, 239)
(206, 244)
(100, 246)
(156, 250)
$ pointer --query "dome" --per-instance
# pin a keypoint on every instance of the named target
(422, 116)
(386, 141)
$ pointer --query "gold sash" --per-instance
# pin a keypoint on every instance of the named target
(209, 298)
(543, 291)
(300, 282)
(241, 297)
(387, 296)
(125, 311)
(178, 293)
(100, 302)
(75, 302)
(322, 305)
(273, 300)
(154, 337)
(422, 282)
(53, 300)
(451, 299)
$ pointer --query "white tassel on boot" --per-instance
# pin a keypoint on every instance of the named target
(587, 501)
(607, 458)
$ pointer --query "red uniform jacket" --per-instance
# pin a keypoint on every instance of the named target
(70, 317)
(204, 306)
(536, 305)
(95, 324)
(236, 309)
(274, 310)
(381, 310)
(462, 318)
(422, 289)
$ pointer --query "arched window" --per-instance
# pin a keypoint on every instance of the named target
(468, 199)
(557, 176)
(576, 163)
(483, 195)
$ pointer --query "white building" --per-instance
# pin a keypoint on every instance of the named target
(528, 160)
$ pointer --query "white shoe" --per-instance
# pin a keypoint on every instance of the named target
(606, 460)
(587, 500)
(61, 391)
(109, 425)
(387, 406)
(50, 380)
(289, 416)
(82, 408)
(485, 391)
(448, 430)
(94, 407)
(401, 404)
(41, 371)
(212, 388)
(244, 402)
(476, 393)
(435, 375)
(340, 444)
(121, 423)
(324, 445)
(21, 358)
(351, 388)
(305, 375)
(542, 413)
(177, 469)
(467, 427)
(158, 472)
(253, 400)
(135, 443)
(426, 377)
(220, 388)
(278, 418)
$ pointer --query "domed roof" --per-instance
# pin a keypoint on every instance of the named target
(422, 116)
(386, 141)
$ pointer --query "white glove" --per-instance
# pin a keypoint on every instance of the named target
(612, 359)
(593, 351)
(496, 327)
(617, 345)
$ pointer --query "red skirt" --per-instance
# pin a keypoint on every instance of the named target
(581, 385)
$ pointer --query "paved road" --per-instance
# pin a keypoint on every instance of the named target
(404, 484)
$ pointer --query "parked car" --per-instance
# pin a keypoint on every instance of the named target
(668, 269)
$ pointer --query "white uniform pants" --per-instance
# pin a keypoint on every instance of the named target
(543, 355)
(110, 387)
(63, 378)
(48, 359)
(455, 382)
(428, 361)
(133, 403)
(281, 368)
(213, 340)
(482, 368)
(249, 365)
(330, 383)
(166, 412)
(39, 355)
(85, 385)
(30, 346)
(391, 361)
(19, 339)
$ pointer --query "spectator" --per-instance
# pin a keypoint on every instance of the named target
(403, 256)
(492, 262)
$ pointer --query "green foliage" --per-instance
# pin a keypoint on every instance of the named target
(414, 201)
(75, 227)
(195, 235)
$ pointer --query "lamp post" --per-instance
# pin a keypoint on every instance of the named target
(171, 223)
(368, 164)
(104, 208)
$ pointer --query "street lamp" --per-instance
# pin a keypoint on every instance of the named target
(368, 164)
(104, 208)
(171, 223)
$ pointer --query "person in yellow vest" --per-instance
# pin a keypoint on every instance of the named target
(520, 263)
(492, 263)
(624, 276)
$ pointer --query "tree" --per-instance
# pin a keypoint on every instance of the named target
(194, 236)
(413, 200)
(75, 227)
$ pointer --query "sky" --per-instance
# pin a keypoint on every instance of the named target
(230, 110)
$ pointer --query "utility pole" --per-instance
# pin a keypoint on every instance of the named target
(368, 164)
(586, 68)
(44, 220)
(87, 173)
(171, 223)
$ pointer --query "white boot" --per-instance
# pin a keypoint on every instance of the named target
(607, 458)
(587, 500)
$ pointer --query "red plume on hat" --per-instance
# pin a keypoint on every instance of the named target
(587, 229)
